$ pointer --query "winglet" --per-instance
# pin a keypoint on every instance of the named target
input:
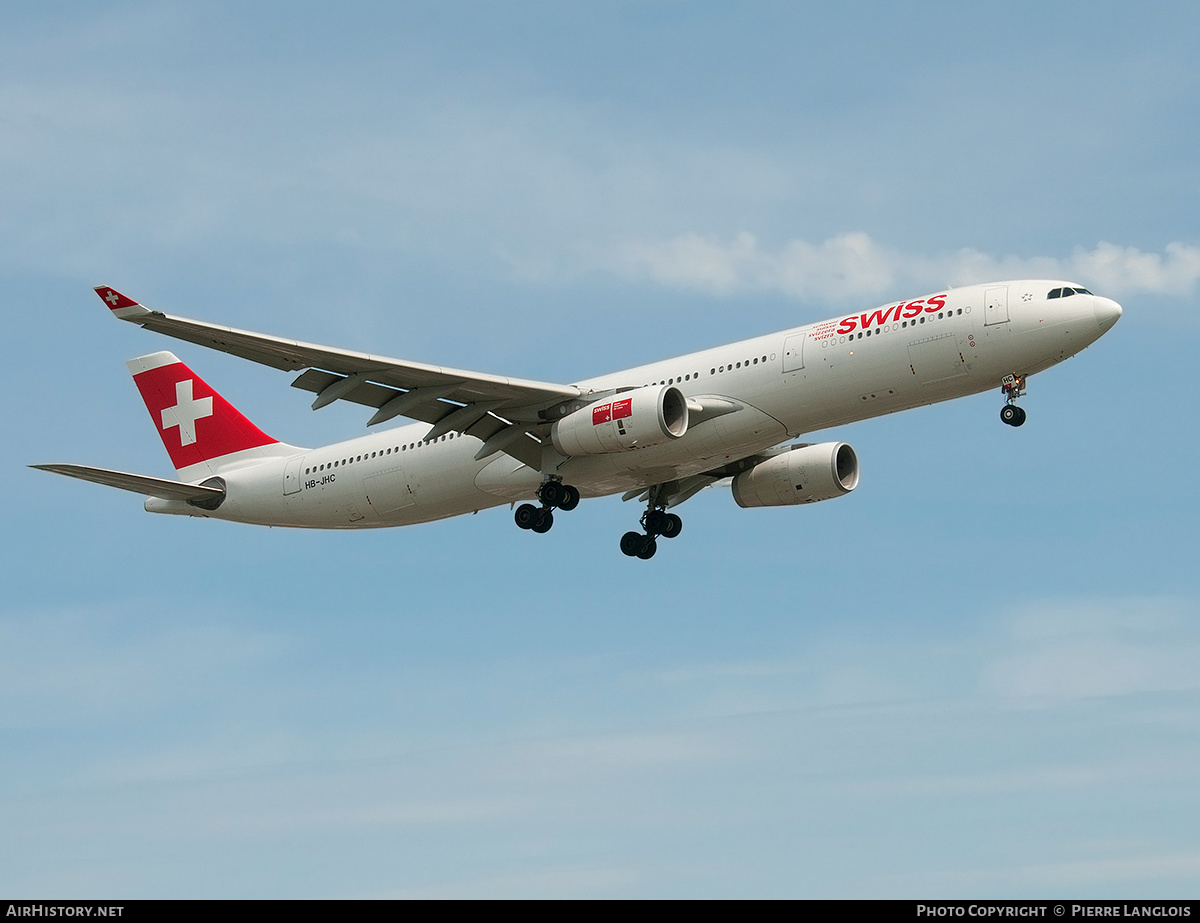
(122, 306)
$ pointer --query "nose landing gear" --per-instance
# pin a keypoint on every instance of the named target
(656, 521)
(1013, 387)
(553, 493)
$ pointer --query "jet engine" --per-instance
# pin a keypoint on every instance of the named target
(806, 474)
(629, 420)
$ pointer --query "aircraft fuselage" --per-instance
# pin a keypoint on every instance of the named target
(786, 384)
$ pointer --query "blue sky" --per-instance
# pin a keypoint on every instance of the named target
(975, 676)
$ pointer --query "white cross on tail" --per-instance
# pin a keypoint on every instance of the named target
(186, 412)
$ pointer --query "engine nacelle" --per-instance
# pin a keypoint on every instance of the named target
(803, 475)
(630, 420)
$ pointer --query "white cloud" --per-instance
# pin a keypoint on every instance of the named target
(1095, 649)
(1040, 654)
(90, 665)
(1127, 269)
(854, 265)
(844, 266)
(570, 757)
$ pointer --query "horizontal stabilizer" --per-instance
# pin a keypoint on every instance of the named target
(204, 497)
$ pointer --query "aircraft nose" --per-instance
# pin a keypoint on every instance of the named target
(1107, 312)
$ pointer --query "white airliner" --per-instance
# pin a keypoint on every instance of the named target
(659, 432)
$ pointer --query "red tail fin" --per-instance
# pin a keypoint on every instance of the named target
(196, 424)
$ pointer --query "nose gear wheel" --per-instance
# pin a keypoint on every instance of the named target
(1012, 387)
(1012, 415)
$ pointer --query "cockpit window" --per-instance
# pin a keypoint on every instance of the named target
(1066, 292)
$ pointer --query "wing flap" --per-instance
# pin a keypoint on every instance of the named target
(366, 393)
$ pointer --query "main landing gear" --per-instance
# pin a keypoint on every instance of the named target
(656, 521)
(1013, 387)
(552, 493)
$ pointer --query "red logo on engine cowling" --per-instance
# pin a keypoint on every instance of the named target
(617, 410)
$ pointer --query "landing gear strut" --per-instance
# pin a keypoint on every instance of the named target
(553, 493)
(656, 521)
(1013, 387)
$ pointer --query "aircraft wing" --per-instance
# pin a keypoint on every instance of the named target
(494, 409)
